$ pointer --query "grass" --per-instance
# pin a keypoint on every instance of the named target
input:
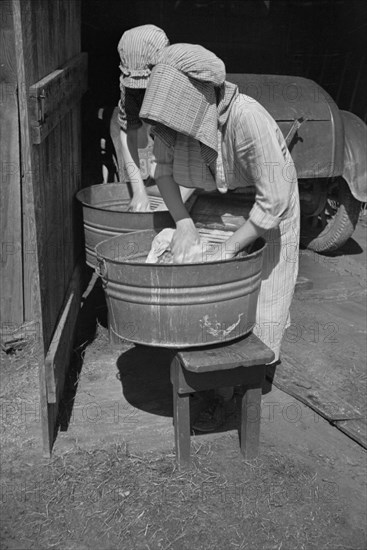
(109, 499)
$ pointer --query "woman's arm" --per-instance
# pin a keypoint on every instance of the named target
(244, 236)
(185, 245)
(129, 144)
(260, 162)
(172, 197)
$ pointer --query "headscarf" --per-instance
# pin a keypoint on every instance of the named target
(187, 93)
(138, 49)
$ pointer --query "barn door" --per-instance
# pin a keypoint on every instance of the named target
(51, 76)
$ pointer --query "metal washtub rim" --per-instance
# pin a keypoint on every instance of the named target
(97, 228)
(182, 345)
(196, 296)
(250, 257)
(95, 186)
(99, 207)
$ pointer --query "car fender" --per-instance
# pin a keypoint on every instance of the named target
(355, 155)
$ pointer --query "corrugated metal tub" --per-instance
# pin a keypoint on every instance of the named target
(105, 216)
(177, 306)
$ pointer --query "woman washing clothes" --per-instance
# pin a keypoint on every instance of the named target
(209, 135)
(138, 49)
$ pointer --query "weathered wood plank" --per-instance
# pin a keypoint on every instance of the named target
(23, 44)
(58, 355)
(11, 293)
(356, 429)
(51, 231)
(293, 378)
(245, 352)
(71, 173)
(53, 96)
(22, 14)
(48, 184)
(45, 233)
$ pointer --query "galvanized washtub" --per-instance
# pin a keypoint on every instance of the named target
(105, 216)
(177, 306)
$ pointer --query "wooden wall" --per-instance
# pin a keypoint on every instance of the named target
(43, 77)
(47, 36)
(11, 267)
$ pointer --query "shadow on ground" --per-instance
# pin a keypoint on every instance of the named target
(144, 373)
(92, 313)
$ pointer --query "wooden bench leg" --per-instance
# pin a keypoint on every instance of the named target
(250, 423)
(181, 418)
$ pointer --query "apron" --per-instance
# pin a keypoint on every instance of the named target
(279, 276)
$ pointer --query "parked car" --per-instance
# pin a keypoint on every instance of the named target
(329, 148)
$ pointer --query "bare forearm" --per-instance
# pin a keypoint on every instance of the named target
(129, 142)
(245, 235)
(172, 197)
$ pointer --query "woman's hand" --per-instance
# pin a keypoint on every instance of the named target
(140, 202)
(186, 246)
(217, 252)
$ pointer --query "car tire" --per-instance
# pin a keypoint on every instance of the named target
(340, 226)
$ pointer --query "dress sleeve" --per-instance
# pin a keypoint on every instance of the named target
(263, 163)
(129, 105)
(163, 156)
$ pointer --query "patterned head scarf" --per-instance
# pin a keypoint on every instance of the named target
(182, 96)
(138, 50)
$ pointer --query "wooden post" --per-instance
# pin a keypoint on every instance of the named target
(11, 268)
(250, 423)
(181, 418)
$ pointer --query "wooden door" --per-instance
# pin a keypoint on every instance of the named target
(51, 78)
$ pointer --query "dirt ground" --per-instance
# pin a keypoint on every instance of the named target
(112, 481)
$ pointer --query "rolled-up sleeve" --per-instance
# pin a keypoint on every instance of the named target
(263, 164)
(163, 156)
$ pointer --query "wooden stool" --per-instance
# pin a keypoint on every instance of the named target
(241, 363)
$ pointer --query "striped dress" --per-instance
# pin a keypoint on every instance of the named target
(252, 153)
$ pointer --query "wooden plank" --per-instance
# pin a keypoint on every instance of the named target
(11, 265)
(69, 157)
(219, 377)
(50, 229)
(31, 284)
(53, 96)
(48, 184)
(59, 352)
(21, 10)
(355, 429)
(293, 378)
(246, 352)
(54, 208)
(59, 23)
(322, 352)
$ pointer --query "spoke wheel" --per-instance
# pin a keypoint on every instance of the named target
(329, 226)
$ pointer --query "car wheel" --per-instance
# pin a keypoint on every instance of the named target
(329, 229)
